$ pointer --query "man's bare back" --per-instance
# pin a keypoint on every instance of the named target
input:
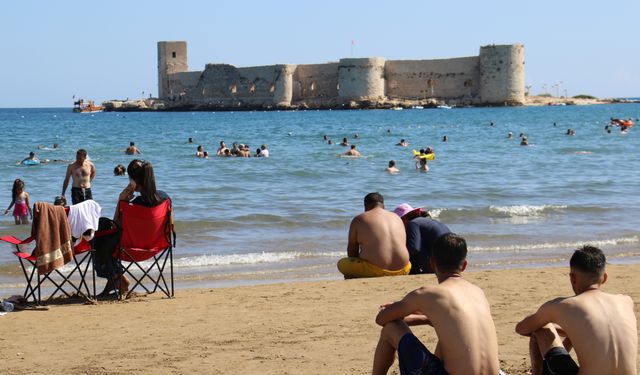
(460, 313)
(601, 327)
(457, 310)
(378, 236)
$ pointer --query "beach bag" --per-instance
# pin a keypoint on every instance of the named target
(105, 245)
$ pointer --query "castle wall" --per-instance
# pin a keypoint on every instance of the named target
(181, 85)
(223, 85)
(422, 79)
(361, 79)
(496, 76)
(502, 74)
(315, 83)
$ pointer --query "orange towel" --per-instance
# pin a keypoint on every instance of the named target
(53, 237)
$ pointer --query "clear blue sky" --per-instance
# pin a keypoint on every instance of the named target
(52, 50)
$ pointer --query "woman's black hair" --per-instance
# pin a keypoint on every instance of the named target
(141, 172)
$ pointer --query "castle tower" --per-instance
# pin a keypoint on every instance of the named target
(502, 74)
(361, 79)
(283, 93)
(172, 58)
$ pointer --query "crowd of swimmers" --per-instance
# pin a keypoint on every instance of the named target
(236, 150)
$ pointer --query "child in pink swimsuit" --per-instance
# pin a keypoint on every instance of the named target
(20, 203)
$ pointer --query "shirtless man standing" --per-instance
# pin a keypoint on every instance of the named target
(377, 243)
(457, 310)
(83, 171)
(602, 327)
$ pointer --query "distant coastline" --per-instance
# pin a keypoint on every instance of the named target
(159, 105)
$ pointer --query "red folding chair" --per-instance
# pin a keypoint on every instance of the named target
(147, 235)
(82, 258)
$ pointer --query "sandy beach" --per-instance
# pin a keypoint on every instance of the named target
(303, 328)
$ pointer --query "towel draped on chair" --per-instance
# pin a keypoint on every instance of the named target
(53, 237)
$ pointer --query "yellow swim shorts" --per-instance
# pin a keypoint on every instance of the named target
(353, 267)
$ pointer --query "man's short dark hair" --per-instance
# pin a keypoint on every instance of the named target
(373, 199)
(449, 252)
(82, 152)
(589, 259)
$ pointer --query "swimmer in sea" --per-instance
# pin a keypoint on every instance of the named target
(132, 149)
(510, 135)
(30, 160)
(445, 138)
(524, 142)
(422, 166)
(119, 170)
(221, 149)
(345, 142)
(199, 152)
(353, 152)
(392, 167)
(402, 143)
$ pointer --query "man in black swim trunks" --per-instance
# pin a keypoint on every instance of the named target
(457, 309)
(601, 327)
(83, 172)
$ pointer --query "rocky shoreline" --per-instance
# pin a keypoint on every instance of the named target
(159, 105)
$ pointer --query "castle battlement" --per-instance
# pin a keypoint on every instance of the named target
(494, 77)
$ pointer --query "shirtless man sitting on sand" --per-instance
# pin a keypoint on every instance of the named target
(377, 243)
(83, 171)
(457, 310)
(602, 327)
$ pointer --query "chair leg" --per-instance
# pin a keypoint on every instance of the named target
(159, 265)
(171, 267)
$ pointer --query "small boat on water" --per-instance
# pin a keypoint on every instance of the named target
(444, 107)
(397, 108)
(621, 122)
(89, 107)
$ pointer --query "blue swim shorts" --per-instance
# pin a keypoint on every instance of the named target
(557, 361)
(415, 359)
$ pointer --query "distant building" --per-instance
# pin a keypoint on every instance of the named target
(495, 77)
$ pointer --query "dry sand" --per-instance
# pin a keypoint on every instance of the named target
(295, 328)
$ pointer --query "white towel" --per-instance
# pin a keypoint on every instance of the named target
(82, 217)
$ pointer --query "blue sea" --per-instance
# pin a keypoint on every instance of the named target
(259, 220)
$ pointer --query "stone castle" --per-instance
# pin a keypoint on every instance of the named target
(494, 77)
